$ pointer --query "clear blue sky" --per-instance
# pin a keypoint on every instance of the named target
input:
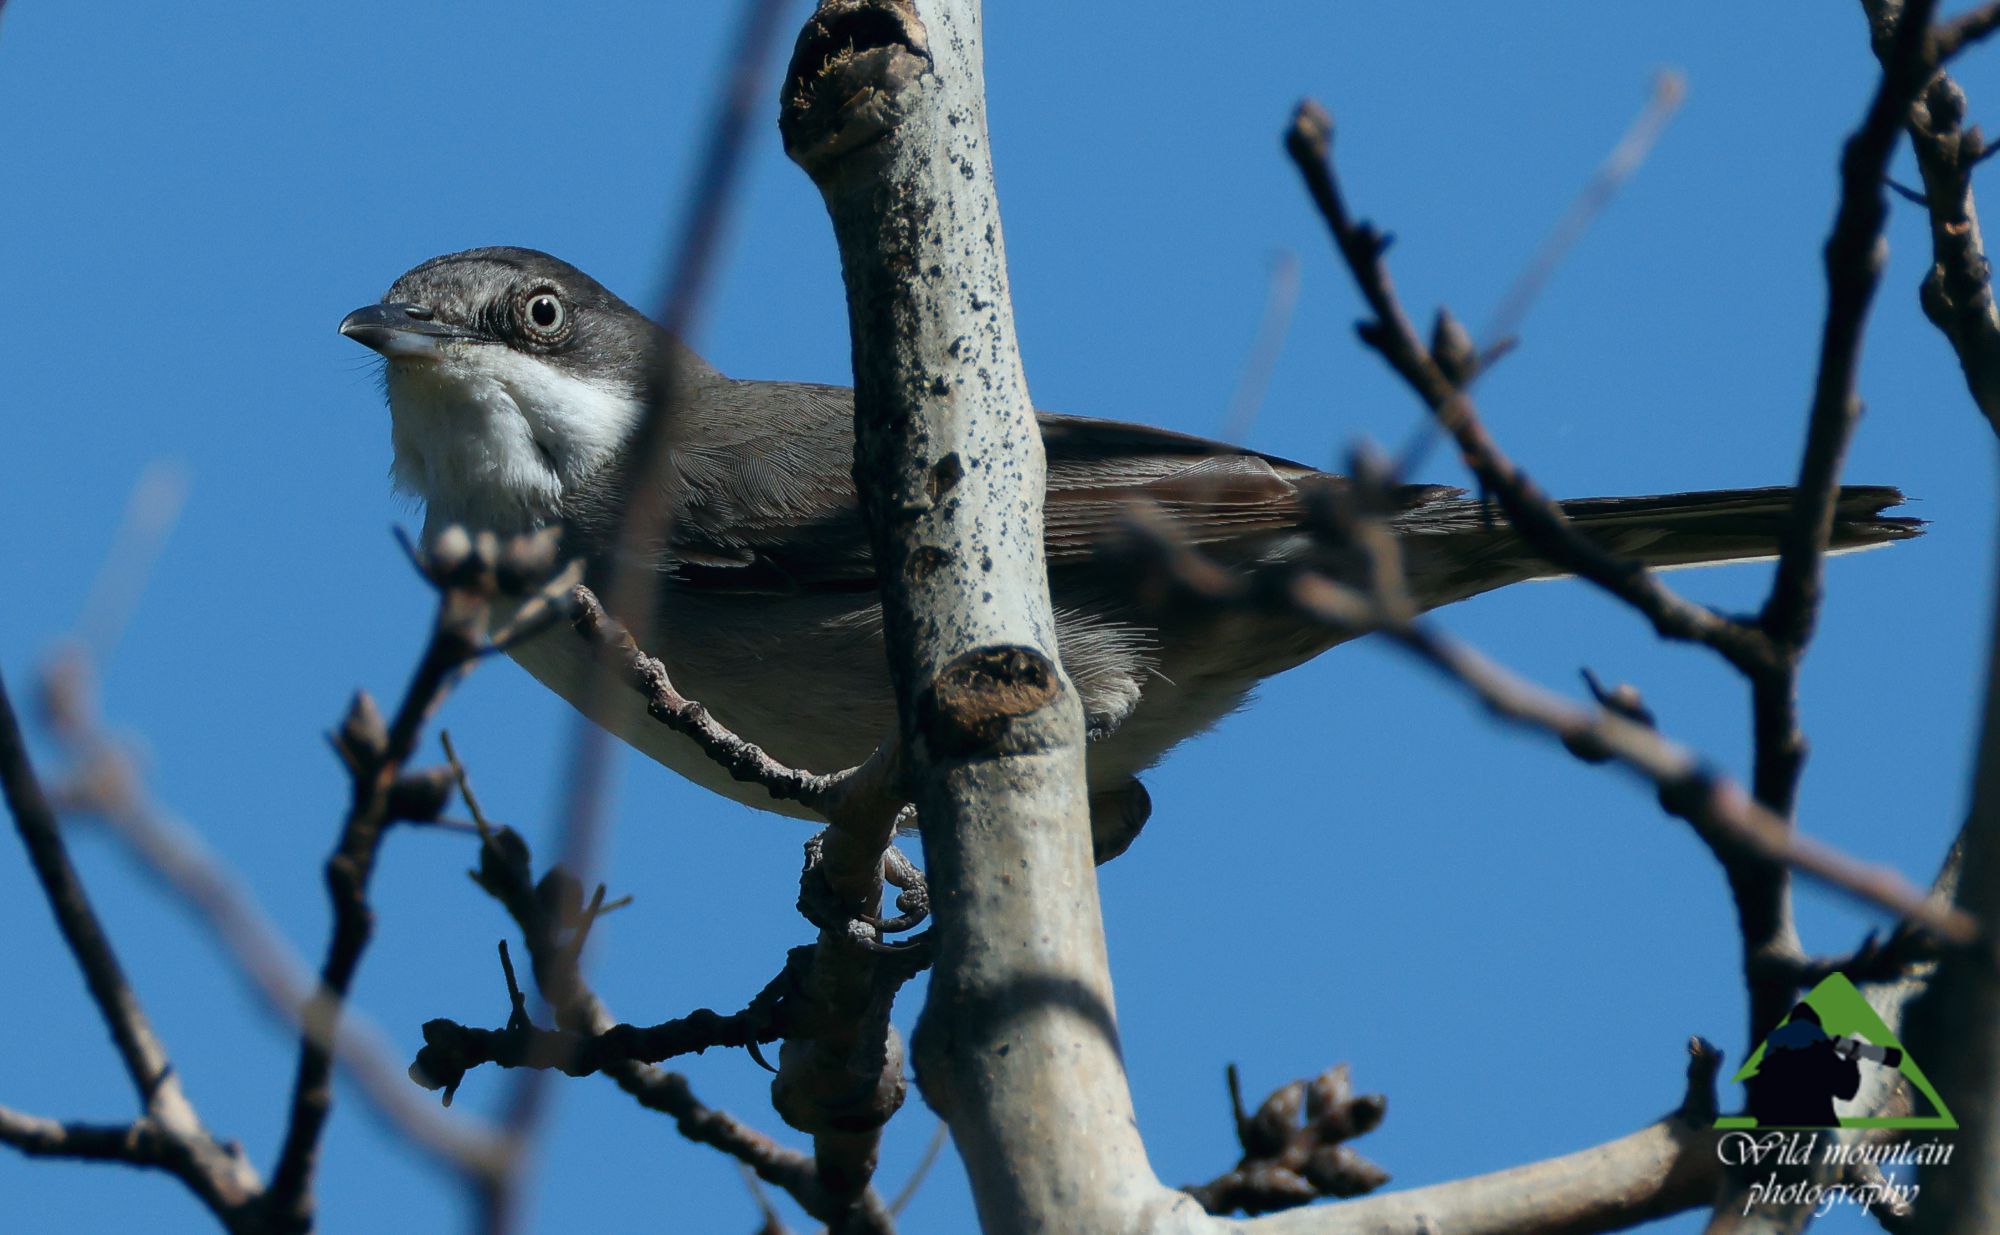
(1510, 945)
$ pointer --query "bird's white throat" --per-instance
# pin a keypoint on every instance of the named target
(491, 437)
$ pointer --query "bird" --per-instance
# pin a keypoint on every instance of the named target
(516, 383)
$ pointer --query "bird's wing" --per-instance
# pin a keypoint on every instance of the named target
(767, 496)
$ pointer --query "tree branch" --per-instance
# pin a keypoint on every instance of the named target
(1768, 651)
(104, 783)
(883, 107)
(1439, 379)
(1662, 1169)
(173, 1135)
(1961, 32)
(859, 799)
(144, 1057)
(1954, 1025)
(134, 1144)
(1957, 290)
(1736, 827)
(545, 912)
(470, 574)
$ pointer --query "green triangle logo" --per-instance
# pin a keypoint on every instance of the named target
(1817, 1055)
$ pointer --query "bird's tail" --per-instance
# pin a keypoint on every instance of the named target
(1461, 548)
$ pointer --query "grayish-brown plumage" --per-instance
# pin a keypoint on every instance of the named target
(515, 382)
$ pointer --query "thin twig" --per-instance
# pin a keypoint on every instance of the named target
(1729, 820)
(908, 1192)
(1538, 518)
(1961, 32)
(1720, 811)
(505, 872)
(1957, 288)
(176, 1138)
(467, 574)
(107, 786)
(1280, 301)
(1669, 88)
(648, 511)
(855, 799)
(139, 1048)
(1854, 256)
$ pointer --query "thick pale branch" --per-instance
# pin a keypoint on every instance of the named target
(1017, 1048)
(1663, 1169)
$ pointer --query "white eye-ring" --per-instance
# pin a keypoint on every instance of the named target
(545, 314)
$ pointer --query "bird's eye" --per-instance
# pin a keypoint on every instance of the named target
(545, 314)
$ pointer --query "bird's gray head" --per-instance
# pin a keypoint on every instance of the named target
(513, 377)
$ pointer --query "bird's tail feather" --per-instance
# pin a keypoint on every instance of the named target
(1461, 548)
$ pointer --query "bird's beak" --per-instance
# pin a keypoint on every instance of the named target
(398, 330)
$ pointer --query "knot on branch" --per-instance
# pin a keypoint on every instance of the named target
(1293, 1150)
(819, 1099)
(1698, 1104)
(971, 706)
(844, 89)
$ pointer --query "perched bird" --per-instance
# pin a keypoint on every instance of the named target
(515, 383)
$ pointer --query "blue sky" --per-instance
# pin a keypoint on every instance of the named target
(1511, 946)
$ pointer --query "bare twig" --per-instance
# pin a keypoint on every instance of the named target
(1669, 88)
(107, 785)
(506, 872)
(1854, 256)
(151, 511)
(772, 1223)
(921, 1171)
(857, 799)
(1730, 821)
(1279, 303)
(451, 1050)
(170, 1134)
(1957, 289)
(1961, 32)
(468, 573)
(144, 1057)
(1538, 517)
(1767, 651)
(1722, 814)
(648, 510)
